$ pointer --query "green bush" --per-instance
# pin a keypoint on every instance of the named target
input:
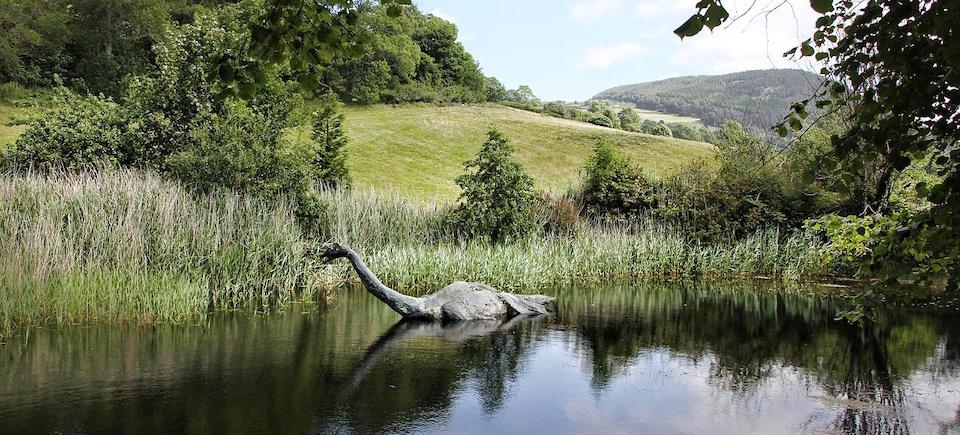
(661, 129)
(497, 195)
(753, 187)
(77, 132)
(614, 187)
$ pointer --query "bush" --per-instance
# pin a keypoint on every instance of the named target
(77, 132)
(753, 188)
(613, 186)
(497, 195)
(661, 129)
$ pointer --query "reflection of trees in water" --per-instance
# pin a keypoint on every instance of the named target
(751, 334)
(397, 383)
(353, 369)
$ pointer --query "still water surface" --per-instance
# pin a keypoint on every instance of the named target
(666, 358)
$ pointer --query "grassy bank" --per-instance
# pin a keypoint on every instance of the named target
(419, 150)
(127, 246)
(406, 245)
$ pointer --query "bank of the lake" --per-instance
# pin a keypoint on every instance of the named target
(128, 246)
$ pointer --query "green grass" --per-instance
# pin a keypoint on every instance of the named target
(128, 246)
(406, 245)
(655, 116)
(419, 150)
(10, 122)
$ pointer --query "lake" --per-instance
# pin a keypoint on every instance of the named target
(647, 358)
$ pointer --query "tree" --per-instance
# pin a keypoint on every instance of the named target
(496, 92)
(497, 194)
(661, 129)
(629, 118)
(894, 63)
(330, 163)
(526, 95)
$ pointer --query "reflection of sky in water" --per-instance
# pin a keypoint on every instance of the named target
(609, 362)
(661, 392)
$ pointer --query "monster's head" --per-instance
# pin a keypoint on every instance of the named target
(333, 251)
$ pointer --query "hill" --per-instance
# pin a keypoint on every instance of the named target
(419, 150)
(758, 98)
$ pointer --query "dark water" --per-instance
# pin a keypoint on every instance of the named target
(692, 358)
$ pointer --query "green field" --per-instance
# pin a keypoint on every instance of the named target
(10, 127)
(419, 150)
(655, 116)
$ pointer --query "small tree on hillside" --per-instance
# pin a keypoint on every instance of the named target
(497, 194)
(661, 129)
(330, 164)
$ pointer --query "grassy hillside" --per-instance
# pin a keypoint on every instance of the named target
(10, 126)
(758, 98)
(419, 150)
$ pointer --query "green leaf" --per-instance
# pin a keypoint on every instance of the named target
(795, 124)
(822, 6)
(806, 50)
(691, 27)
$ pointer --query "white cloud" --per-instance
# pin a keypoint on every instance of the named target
(600, 57)
(756, 41)
(591, 11)
(443, 15)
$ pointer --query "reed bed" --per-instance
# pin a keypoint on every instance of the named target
(121, 246)
(125, 245)
(409, 247)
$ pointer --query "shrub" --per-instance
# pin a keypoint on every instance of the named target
(497, 194)
(77, 132)
(753, 188)
(661, 129)
(613, 186)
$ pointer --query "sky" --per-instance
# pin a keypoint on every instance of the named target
(573, 49)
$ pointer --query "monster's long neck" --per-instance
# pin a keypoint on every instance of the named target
(406, 306)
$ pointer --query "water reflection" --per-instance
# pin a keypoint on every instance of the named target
(649, 358)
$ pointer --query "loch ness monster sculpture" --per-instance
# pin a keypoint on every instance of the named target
(457, 301)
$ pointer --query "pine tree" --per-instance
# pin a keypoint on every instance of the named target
(497, 194)
(330, 164)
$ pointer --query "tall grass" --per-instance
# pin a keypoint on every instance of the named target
(126, 245)
(130, 246)
(409, 248)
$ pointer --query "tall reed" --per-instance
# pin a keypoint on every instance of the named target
(410, 248)
(128, 245)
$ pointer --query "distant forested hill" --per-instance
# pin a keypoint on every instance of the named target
(757, 98)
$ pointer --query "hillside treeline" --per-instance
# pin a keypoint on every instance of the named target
(754, 98)
(91, 46)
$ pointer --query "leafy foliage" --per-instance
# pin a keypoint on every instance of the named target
(76, 133)
(497, 194)
(749, 191)
(172, 121)
(893, 63)
(91, 44)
